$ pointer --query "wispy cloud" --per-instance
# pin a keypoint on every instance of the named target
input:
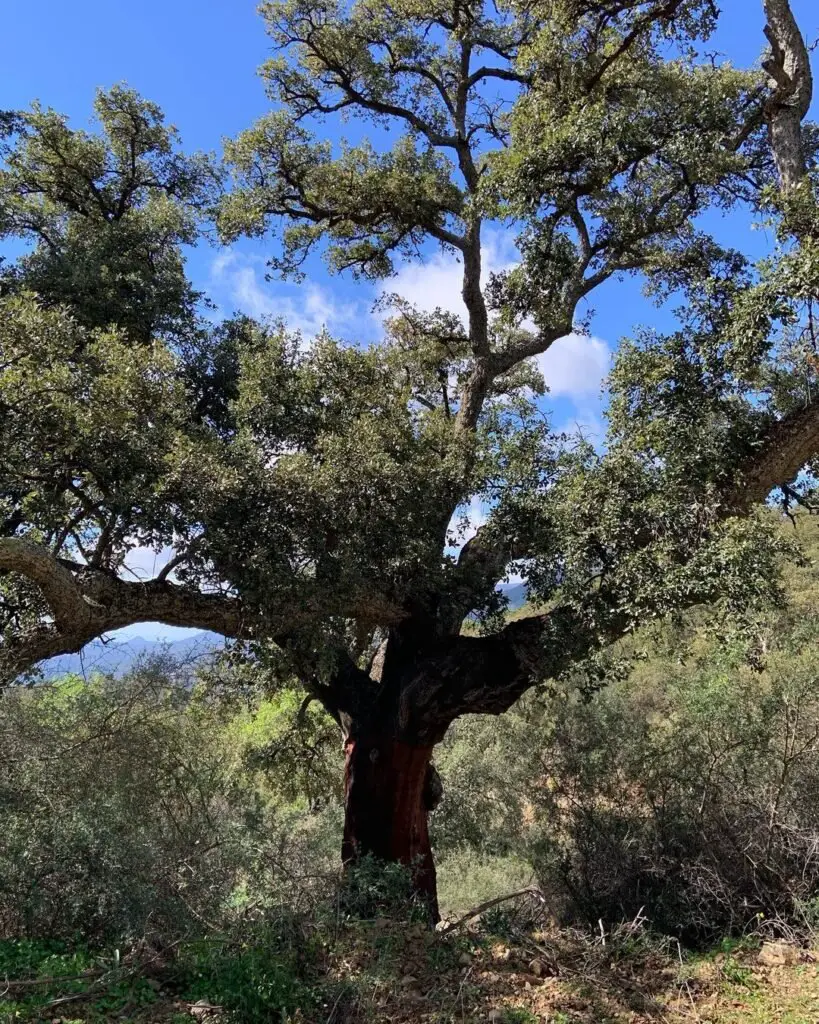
(588, 422)
(574, 367)
(240, 284)
(464, 524)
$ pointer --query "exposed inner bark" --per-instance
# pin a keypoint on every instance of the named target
(387, 802)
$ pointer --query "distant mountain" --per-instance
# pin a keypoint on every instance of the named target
(517, 594)
(115, 657)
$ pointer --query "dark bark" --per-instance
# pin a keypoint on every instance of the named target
(392, 722)
(387, 799)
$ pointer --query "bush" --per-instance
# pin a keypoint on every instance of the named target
(693, 795)
(264, 976)
(687, 788)
(372, 888)
(165, 805)
(132, 806)
(467, 878)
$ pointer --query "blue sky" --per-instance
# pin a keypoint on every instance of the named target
(198, 60)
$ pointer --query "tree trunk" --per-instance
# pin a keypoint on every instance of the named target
(387, 803)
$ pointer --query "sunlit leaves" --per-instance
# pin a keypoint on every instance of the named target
(105, 215)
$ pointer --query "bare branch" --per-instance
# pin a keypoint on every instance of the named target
(530, 890)
(178, 559)
(790, 71)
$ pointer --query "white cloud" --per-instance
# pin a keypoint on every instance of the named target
(304, 307)
(436, 283)
(476, 515)
(575, 366)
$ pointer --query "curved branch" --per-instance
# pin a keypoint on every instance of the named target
(178, 559)
(32, 647)
(348, 695)
(481, 563)
(58, 586)
(504, 74)
(86, 602)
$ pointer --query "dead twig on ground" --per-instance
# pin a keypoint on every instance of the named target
(489, 904)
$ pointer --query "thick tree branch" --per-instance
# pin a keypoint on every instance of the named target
(350, 693)
(778, 458)
(504, 74)
(87, 602)
(55, 581)
(481, 563)
(790, 71)
(487, 675)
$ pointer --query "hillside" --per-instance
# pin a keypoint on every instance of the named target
(662, 830)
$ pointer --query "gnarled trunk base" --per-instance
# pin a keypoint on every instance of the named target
(386, 808)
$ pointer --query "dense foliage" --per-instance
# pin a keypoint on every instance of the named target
(684, 790)
(142, 806)
(290, 475)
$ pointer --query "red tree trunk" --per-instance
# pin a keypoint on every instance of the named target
(386, 808)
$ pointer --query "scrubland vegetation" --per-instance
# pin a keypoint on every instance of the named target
(171, 837)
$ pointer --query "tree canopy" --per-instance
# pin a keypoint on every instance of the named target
(311, 490)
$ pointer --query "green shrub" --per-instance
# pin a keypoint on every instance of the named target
(264, 977)
(40, 975)
(693, 796)
(372, 888)
(687, 788)
(133, 806)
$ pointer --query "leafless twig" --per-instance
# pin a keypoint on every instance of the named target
(483, 907)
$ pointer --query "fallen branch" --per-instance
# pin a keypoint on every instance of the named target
(483, 907)
(17, 983)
